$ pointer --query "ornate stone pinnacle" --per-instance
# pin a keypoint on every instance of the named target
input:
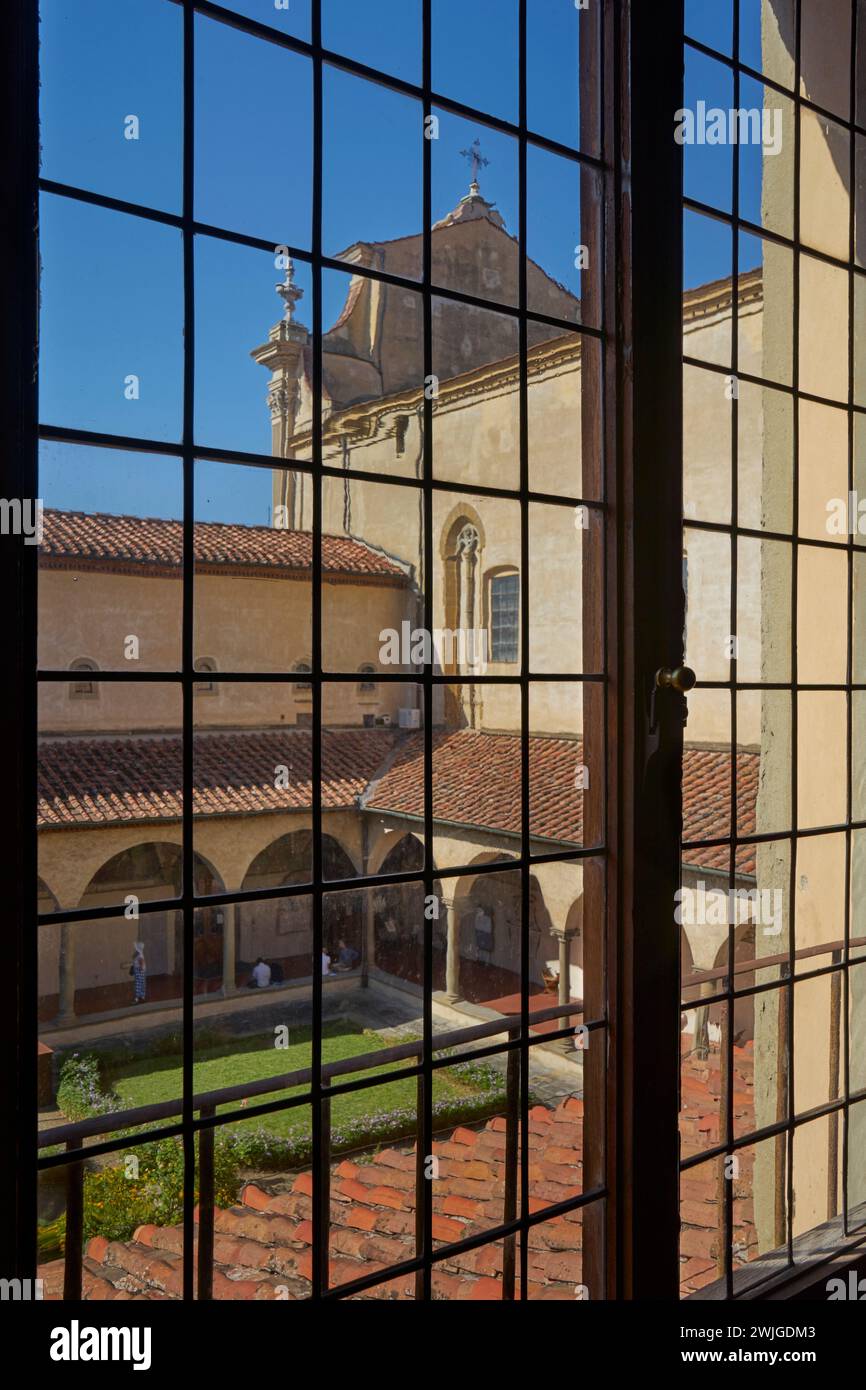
(289, 293)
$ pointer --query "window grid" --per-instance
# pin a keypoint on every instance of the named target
(725, 991)
(196, 1120)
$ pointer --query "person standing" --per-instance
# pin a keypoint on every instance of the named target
(139, 973)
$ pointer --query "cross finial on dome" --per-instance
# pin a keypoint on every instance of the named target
(477, 160)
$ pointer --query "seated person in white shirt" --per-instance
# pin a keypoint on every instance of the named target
(261, 974)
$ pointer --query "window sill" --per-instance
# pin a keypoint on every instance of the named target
(822, 1254)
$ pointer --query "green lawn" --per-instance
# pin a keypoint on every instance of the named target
(251, 1059)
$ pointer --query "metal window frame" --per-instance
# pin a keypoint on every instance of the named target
(848, 1238)
(517, 1227)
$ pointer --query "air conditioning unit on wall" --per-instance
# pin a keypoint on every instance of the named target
(409, 718)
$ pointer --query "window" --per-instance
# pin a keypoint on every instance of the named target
(206, 666)
(302, 687)
(773, 395)
(251, 815)
(448, 407)
(83, 689)
(504, 617)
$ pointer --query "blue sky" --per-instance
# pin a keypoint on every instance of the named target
(112, 292)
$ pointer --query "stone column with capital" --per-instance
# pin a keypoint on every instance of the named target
(452, 950)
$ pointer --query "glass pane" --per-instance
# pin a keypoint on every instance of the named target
(241, 331)
(110, 571)
(474, 242)
(473, 346)
(766, 151)
(708, 166)
(707, 412)
(563, 238)
(366, 219)
(251, 754)
(760, 1213)
(712, 25)
(461, 35)
(111, 98)
(263, 1207)
(768, 38)
(384, 34)
(475, 541)
(766, 281)
(707, 263)
(708, 644)
(101, 370)
(823, 329)
(702, 1252)
(826, 29)
(562, 556)
(371, 602)
(242, 564)
(373, 378)
(287, 16)
(563, 415)
(245, 86)
(825, 148)
(132, 1231)
(562, 61)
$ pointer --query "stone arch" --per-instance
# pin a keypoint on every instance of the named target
(281, 929)
(487, 916)
(93, 957)
(397, 923)
(384, 853)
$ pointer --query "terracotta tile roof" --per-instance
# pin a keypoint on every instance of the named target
(265, 1242)
(106, 781)
(476, 781)
(262, 1245)
(702, 1230)
(154, 544)
(707, 805)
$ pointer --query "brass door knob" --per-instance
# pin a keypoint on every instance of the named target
(682, 679)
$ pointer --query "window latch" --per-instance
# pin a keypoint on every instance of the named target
(682, 679)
